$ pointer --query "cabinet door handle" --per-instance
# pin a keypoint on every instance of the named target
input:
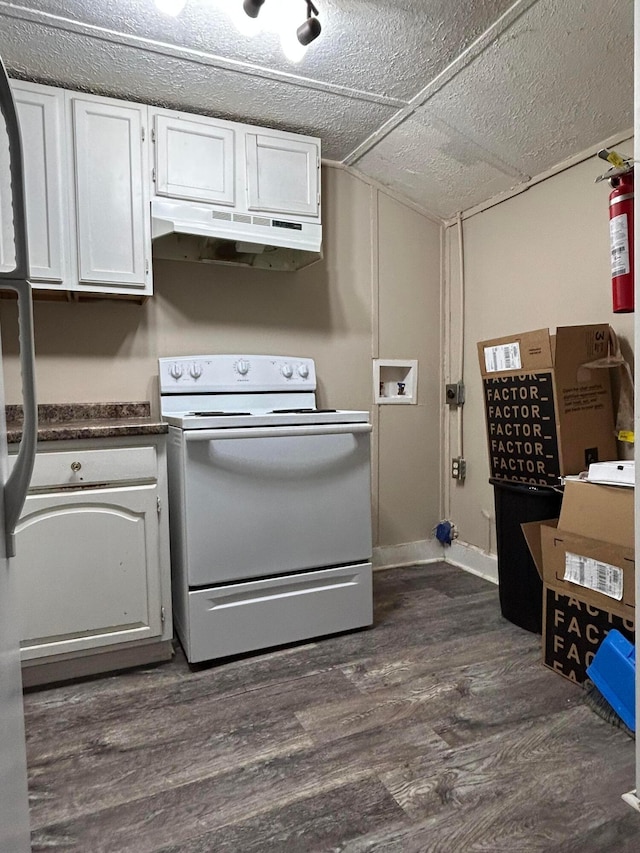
(15, 489)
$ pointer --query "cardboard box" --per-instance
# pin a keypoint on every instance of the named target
(572, 632)
(547, 415)
(587, 564)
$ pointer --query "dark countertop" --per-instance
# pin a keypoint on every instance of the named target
(60, 421)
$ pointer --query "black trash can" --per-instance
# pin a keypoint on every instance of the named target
(519, 582)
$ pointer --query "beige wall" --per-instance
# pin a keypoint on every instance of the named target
(408, 327)
(106, 350)
(539, 259)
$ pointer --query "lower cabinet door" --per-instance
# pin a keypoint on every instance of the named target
(87, 569)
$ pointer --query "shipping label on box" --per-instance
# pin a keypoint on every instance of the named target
(523, 443)
(502, 357)
(600, 573)
(594, 574)
(572, 632)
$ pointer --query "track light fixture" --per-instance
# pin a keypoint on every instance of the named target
(311, 28)
(306, 32)
(171, 7)
(252, 7)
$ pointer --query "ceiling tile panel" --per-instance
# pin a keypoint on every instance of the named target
(550, 87)
(422, 161)
(389, 48)
(112, 69)
(447, 103)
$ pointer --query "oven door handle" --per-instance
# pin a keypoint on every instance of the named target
(275, 432)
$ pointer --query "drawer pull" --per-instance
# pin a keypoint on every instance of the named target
(76, 466)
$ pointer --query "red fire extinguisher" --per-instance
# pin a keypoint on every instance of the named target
(621, 231)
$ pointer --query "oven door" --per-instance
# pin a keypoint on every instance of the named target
(264, 501)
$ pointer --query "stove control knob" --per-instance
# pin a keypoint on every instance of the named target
(176, 370)
(195, 371)
(287, 371)
(242, 367)
(303, 370)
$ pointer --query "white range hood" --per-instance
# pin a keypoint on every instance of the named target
(183, 230)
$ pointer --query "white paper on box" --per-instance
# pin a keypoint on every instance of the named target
(619, 232)
(502, 357)
(622, 473)
(592, 574)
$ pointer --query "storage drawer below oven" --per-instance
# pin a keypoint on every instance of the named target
(229, 620)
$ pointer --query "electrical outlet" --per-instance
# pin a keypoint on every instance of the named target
(454, 394)
(458, 468)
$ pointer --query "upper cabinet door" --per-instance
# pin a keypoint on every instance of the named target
(194, 159)
(41, 116)
(282, 174)
(111, 196)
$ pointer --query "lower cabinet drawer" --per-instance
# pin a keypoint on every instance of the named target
(229, 620)
(90, 467)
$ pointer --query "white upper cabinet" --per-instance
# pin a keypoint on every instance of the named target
(238, 168)
(194, 159)
(41, 116)
(111, 200)
(283, 174)
(92, 174)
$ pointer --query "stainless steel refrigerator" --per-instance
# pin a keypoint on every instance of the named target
(14, 272)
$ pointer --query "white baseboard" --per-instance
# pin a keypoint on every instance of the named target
(632, 800)
(460, 554)
(472, 559)
(407, 554)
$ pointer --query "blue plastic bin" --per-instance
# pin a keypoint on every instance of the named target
(613, 671)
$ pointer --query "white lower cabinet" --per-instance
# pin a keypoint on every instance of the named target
(92, 559)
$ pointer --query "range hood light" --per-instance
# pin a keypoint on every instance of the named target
(249, 248)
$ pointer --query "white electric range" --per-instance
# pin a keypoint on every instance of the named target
(270, 505)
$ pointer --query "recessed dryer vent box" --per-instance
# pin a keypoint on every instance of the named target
(395, 380)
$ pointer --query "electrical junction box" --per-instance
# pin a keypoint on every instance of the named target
(458, 468)
(454, 394)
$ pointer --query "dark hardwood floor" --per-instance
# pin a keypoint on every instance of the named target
(438, 729)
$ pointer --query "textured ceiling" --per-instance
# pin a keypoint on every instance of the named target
(448, 103)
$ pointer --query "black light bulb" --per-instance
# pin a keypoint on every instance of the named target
(252, 7)
(309, 31)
